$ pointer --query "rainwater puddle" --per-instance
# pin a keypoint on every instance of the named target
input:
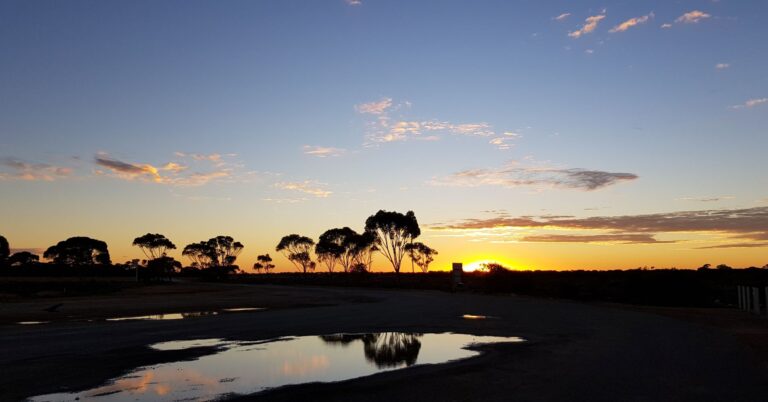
(163, 317)
(249, 367)
(32, 322)
(477, 317)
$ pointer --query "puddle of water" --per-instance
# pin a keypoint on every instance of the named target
(477, 317)
(32, 322)
(234, 310)
(249, 367)
(163, 317)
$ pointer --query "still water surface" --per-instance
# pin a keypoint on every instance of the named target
(249, 367)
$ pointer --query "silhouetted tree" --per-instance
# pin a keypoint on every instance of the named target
(421, 254)
(337, 245)
(704, 267)
(79, 251)
(297, 250)
(201, 254)
(363, 246)
(264, 262)
(5, 251)
(493, 268)
(225, 250)
(23, 258)
(153, 245)
(392, 232)
(162, 267)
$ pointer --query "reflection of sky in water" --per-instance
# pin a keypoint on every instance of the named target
(162, 317)
(248, 367)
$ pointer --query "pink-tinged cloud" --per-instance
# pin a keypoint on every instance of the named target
(306, 187)
(589, 26)
(18, 170)
(378, 107)
(631, 23)
(171, 173)
(750, 103)
(692, 17)
(323, 152)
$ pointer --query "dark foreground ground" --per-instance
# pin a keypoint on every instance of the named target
(575, 351)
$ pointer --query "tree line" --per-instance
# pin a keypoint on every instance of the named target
(391, 234)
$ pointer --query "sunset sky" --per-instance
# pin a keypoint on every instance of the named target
(541, 134)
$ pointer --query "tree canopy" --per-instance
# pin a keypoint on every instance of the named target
(23, 258)
(392, 231)
(264, 263)
(79, 251)
(219, 251)
(296, 249)
(421, 254)
(5, 249)
(153, 245)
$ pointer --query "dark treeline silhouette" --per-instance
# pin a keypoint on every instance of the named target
(390, 233)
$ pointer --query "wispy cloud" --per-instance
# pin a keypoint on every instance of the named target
(512, 175)
(631, 23)
(506, 141)
(385, 128)
(666, 25)
(561, 17)
(378, 107)
(692, 17)
(19, 170)
(307, 187)
(722, 66)
(632, 238)
(213, 168)
(354, 2)
(749, 224)
(707, 199)
(128, 170)
(589, 26)
(734, 245)
(323, 152)
(750, 103)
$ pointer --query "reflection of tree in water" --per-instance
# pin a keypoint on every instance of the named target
(386, 349)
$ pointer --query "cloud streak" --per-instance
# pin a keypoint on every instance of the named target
(606, 238)
(306, 187)
(214, 168)
(631, 23)
(323, 152)
(512, 176)
(750, 224)
(750, 103)
(692, 17)
(590, 24)
(19, 170)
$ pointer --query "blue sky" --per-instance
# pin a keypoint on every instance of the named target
(499, 101)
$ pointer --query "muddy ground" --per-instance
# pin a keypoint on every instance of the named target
(574, 351)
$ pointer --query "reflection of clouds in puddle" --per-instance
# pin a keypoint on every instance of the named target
(249, 367)
(306, 366)
(32, 322)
